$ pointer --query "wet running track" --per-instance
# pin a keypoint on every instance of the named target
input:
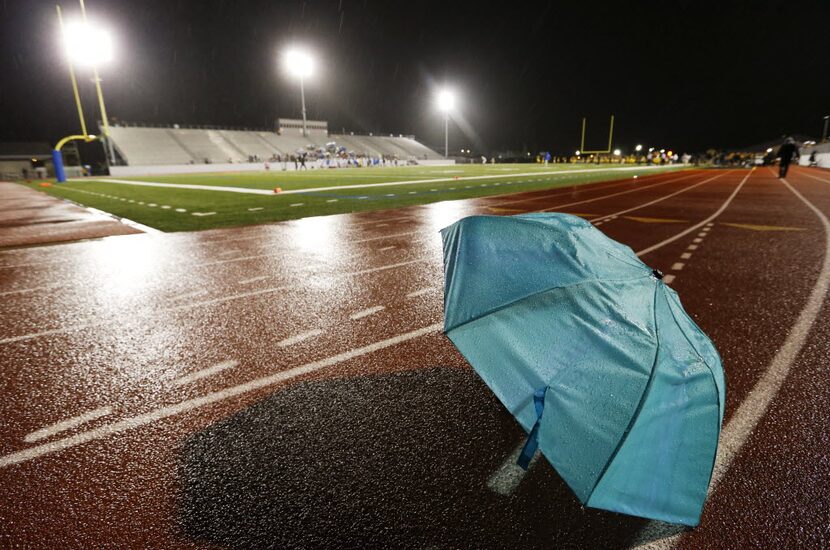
(288, 385)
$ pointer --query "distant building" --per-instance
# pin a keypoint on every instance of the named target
(25, 160)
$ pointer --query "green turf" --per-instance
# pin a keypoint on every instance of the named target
(233, 209)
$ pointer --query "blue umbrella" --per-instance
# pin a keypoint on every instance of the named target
(594, 356)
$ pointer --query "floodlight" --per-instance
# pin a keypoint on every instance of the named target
(578, 153)
(617, 152)
(299, 63)
(638, 148)
(769, 149)
(87, 44)
(446, 100)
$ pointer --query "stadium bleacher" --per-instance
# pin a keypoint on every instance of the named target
(147, 146)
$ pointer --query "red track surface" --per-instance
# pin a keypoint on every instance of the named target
(372, 431)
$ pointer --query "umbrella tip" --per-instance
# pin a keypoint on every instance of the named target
(657, 273)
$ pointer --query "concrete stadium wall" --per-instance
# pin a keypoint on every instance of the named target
(125, 171)
(822, 155)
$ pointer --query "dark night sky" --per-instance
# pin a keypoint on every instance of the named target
(685, 75)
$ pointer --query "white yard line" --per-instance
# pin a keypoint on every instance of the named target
(204, 373)
(366, 312)
(297, 338)
(67, 424)
(365, 185)
(668, 279)
(168, 411)
(657, 535)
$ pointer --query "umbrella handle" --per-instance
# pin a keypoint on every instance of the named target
(532, 442)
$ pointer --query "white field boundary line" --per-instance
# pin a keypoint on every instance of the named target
(661, 199)
(210, 398)
(546, 194)
(371, 185)
(204, 373)
(67, 424)
(755, 404)
(507, 478)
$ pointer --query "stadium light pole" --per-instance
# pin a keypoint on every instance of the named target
(85, 45)
(300, 65)
(824, 133)
(446, 102)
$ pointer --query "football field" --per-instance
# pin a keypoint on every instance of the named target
(187, 202)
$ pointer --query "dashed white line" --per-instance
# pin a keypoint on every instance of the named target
(204, 373)
(297, 338)
(331, 200)
(685, 255)
(386, 248)
(698, 240)
(204, 213)
(668, 279)
(213, 397)
(253, 280)
(419, 292)
(297, 204)
(507, 478)
(677, 266)
(67, 424)
(692, 247)
(255, 209)
(390, 266)
(181, 209)
(366, 312)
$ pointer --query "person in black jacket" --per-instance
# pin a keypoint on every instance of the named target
(786, 153)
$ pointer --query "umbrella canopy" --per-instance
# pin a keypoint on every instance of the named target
(594, 356)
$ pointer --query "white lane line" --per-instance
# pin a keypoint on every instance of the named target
(166, 207)
(386, 248)
(225, 298)
(655, 535)
(161, 413)
(670, 195)
(203, 213)
(33, 289)
(698, 240)
(204, 373)
(419, 292)
(677, 266)
(366, 312)
(685, 255)
(331, 200)
(701, 234)
(390, 266)
(253, 280)
(668, 279)
(710, 224)
(603, 197)
(255, 209)
(297, 338)
(507, 478)
(192, 294)
(181, 209)
(297, 204)
(381, 225)
(560, 191)
(695, 227)
(692, 247)
(67, 424)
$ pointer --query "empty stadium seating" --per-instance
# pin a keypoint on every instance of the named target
(144, 146)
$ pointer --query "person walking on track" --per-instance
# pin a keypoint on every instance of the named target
(786, 153)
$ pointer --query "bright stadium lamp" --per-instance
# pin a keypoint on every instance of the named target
(86, 44)
(300, 65)
(446, 103)
(617, 152)
(638, 148)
